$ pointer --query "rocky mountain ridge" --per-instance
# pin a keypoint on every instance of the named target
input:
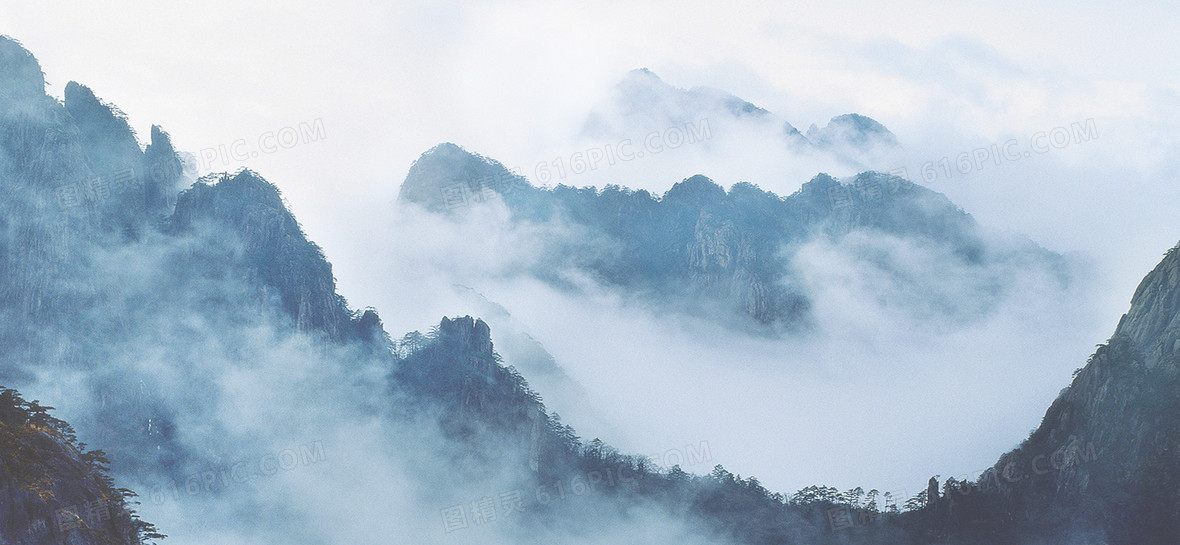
(710, 251)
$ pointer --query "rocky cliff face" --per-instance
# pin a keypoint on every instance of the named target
(73, 176)
(54, 492)
(21, 78)
(73, 180)
(459, 370)
(733, 261)
(249, 211)
(78, 159)
(1104, 465)
(73, 508)
(1153, 322)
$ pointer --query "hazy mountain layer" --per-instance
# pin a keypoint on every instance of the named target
(701, 249)
(643, 103)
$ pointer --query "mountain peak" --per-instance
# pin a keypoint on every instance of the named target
(448, 172)
(103, 129)
(1153, 321)
(273, 244)
(852, 129)
(862, 124)
(698, 190)
(233, 194)
(819, 183)
(642, 74)
(20, 73)
(642, 89)
(472, 334)
(643, 99)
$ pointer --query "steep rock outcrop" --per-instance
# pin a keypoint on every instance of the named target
(1153, 322)
(21, 79)
(1104, 465)
(274, 249)
(73, 178)
(54, 492)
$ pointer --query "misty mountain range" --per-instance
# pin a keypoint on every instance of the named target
(705, 250)
(642, 103)
(191, 332)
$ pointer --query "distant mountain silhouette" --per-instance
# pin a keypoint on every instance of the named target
(642, 103)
